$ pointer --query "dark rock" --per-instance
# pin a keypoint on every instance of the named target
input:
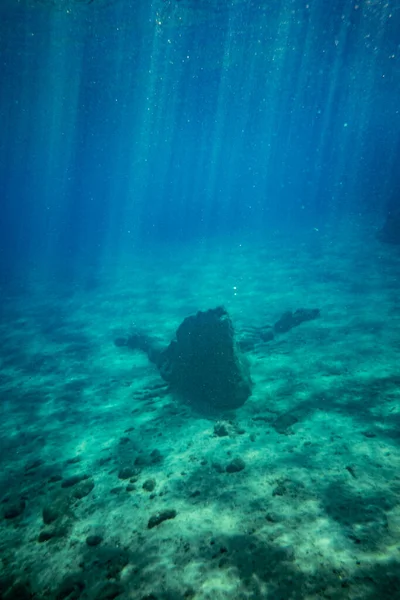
(390, 232)
(51, 513)
(83, 489)
(109, 591)
(149, 485)
(130, 487)
(280, 490)
(145, 460)
(73, 461)
(159, 517)
(266, 334)
(73, 480)
(117, 490)
(94, 540)
(48, 534)
(204, 364)
(126, 472)
(14, 509)
(236, 465)
(283, 423)
(19, 591)
(32, 465)
(143, 342)
(124, 440)
(156, 456)
(71, 588)
(291, 319)
(112, 561)
(221, 429)
(369, 434)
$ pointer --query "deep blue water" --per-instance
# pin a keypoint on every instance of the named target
(127, 123)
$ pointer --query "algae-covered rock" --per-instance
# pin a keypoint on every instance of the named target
(204, 363)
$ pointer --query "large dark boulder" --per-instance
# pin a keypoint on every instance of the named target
(204, 364)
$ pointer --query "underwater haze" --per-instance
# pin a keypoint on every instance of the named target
(200, 299)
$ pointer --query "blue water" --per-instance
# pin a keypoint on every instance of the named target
(129, 123)
(164, 157)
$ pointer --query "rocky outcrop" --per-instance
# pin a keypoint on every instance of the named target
(204, 364)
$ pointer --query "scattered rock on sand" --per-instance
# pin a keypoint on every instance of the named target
(149, 485)
(236, 465)
(83, 489)
(221, 429)
(14, 508)
(159, 517)
(48, 534)
(145, 460)
(94, 540)
(52, 511)
(284, 422)
(73, 480)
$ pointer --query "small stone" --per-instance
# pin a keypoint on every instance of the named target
(159, 517)
(73, 480)
(130, 487)
(94, 540)
(369, 434)
(33, 465)
(284, 422)
(221, 430)
(149, 485)
(48, 534)
(109, 591)
(50, 514)
(156, 456)
(126, 472)
(236, 465)
(124, 440)
(73, 461)
(83, 489)
(71, 587)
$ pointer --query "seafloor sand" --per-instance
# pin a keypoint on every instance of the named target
(316, 511)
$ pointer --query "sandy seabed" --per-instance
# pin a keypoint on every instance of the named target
(94, 448)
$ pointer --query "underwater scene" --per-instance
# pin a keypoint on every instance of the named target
(200, 300)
